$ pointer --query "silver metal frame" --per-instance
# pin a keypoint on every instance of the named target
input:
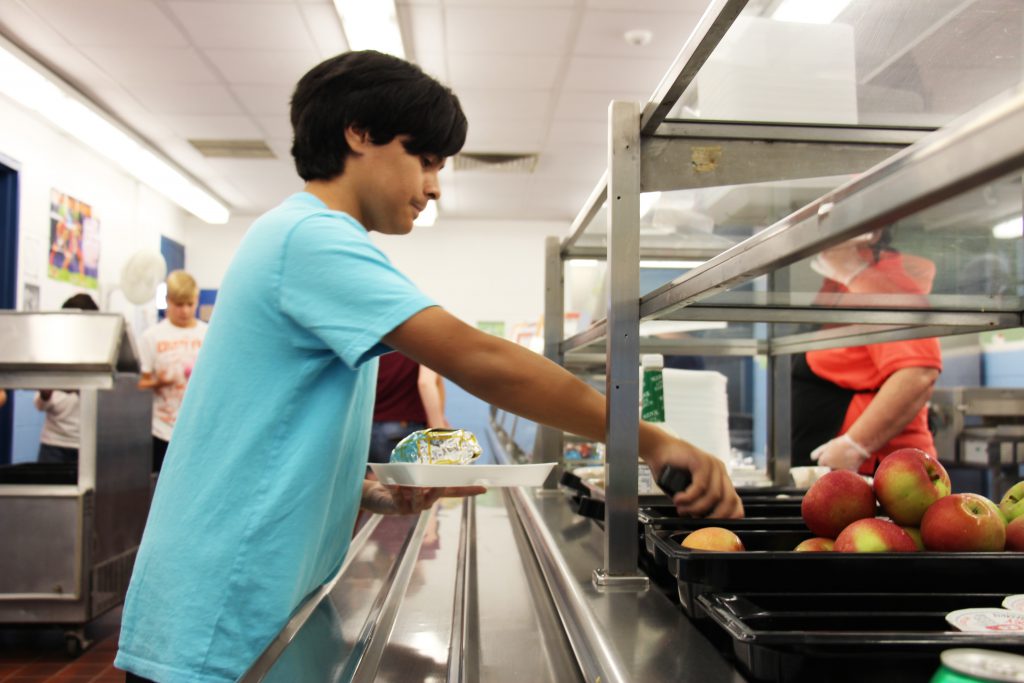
(622, 385)
(937, 165)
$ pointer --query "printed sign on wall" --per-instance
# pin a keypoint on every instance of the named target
(74, 241)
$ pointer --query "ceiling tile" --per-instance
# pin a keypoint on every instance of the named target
(111, 23)
(263, 67)
(535, 73)
(697, 6)
(170, 98)
(615, 74)
(433, 63)
(151, 64)
(243, 25)
(506, 3)
(422, 29)
(575, 105)
(505, 136)
(276, 126)
(325, 27)
(21, 23)
(518, 31)
(564, 131)
(504, 104)
(265, 99)
(601, 34)
(214, 127)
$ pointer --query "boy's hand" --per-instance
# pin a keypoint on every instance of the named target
(407, 500)
(711, 494)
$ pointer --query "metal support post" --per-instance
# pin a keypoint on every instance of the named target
(622, 393)
(548, 446)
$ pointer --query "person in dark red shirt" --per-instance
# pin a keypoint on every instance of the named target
(410, 397)
(853, 406)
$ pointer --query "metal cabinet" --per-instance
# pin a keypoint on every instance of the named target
(70, 535)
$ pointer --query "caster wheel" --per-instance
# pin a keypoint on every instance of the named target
(75, 643)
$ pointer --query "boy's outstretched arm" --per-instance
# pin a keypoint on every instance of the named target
(520, 381)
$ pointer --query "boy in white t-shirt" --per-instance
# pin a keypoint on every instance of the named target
(167, 353)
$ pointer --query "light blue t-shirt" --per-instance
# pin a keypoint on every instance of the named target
(259, 492)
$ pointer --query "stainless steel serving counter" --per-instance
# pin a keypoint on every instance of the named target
(492, 589)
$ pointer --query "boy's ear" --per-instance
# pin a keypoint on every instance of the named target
(358, 139)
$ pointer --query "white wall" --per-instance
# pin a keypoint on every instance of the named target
(478, 270)
(131, 215)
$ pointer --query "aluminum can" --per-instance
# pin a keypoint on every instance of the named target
(970, 665)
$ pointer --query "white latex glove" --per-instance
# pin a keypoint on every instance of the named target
(841, 453)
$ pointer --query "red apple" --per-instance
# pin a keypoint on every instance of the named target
(815, 545)
(1012, 503)
(907, 482)
(874, 536)
(835, 501)
(713, 538)
(1015, 535)
(963, 522)
(915, 534)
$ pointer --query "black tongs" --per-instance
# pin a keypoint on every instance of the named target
(672, 480)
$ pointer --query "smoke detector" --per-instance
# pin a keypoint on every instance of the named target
(638, 37)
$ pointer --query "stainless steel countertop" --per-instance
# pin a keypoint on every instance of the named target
(459, 594)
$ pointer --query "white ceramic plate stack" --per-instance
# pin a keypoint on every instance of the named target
(697, 409)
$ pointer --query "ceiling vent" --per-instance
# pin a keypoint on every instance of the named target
(495, 162)
(233, 149)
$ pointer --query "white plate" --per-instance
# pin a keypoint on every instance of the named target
(1014, 602)
(992, 620)
(416, 474)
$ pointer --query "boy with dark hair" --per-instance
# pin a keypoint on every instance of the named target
(255, 505)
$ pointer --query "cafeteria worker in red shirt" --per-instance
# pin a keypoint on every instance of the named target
(853, 406)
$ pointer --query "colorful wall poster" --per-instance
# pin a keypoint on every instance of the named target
(74, 242)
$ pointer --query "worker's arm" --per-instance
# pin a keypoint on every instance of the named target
(898, 400)
(520, 381)
(428, 384)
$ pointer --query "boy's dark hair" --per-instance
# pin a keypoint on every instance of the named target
(82, 302)
(380, 94)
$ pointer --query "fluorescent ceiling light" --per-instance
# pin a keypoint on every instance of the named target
(428, 216)
(371, 25)
(810, 11)
(1008, 230)
(38, 90)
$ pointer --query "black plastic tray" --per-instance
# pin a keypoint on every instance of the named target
(795, 637)
(769, 565)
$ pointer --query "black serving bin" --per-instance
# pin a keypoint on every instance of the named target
(769, 565)
(879, 637)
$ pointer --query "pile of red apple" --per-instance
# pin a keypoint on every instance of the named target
(921, 512)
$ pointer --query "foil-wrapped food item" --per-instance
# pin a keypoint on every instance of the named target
(438, 447)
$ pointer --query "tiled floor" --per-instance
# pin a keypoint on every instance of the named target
(37, 655)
